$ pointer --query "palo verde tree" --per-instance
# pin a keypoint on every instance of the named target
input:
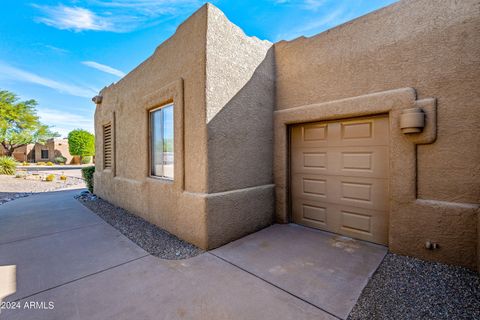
(19, 123)
(81, 143)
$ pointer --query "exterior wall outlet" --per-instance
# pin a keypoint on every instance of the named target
(431, 245)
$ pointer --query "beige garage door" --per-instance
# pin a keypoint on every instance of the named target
(339, 177)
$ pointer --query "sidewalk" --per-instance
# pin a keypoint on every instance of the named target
(67, 257)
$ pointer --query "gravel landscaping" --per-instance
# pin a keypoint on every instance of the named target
(409, 288)
(156, 241)
(12, 187)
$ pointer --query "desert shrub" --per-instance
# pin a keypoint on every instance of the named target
(50, 178)
(87, 174)
(60, 160)
(63, 177)
(7, 165)
(49, 163)
(41, 163)
(25, 164)
(86, 159)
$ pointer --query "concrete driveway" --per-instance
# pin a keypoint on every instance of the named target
(58, 260)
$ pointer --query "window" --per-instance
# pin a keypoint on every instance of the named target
(107, 146)
(44, 154)
(161, 142)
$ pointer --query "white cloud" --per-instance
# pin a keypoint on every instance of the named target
(104, 68)
(15, 74)
(72, 18)
(313, 4)
(56, 49)
(316, 25)
(328, 20)
(64, 122)
(304, 4)
(115, 16)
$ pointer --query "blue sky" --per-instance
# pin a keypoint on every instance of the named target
(62, 52)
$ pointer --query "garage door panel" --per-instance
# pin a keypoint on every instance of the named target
(364, 224)
(315, 132)
(370, 225)
(313, 214)
(365, 193)
(368, 161)
(314, 160)
(311, 187)
(370, 131)
(313, 135)
(362, 192)
(339, 177)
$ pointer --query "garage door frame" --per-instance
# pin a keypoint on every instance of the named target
(402, 150)
(376, 119)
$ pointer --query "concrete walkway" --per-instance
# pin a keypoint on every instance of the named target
(67, 263)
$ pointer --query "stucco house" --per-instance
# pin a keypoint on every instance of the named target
(48, 151)
(53, 148)
(368, 130)
(20, 154)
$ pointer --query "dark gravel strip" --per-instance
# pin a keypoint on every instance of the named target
(151, 238)
(409, 288)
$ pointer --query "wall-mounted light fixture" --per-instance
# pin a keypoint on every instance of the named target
(97, 99)
(412, 120)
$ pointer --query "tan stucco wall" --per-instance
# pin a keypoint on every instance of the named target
(240, 102)
(193, 206)
(175, 69)
(434, 48)
(61, 149)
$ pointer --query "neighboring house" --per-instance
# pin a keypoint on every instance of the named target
(368, 130)
(38, 152)
(52, 149)
(24, 154)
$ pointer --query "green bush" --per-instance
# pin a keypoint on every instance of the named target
(49, 163)
(86, 159)
(60, 160)
(7, 165)
(50, 178)
(87, 174)
(81, 143)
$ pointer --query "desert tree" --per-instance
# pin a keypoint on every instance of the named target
(20, 124)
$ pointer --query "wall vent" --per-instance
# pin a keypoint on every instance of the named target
(107, 146)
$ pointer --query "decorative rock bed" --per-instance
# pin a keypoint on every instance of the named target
(409, 288)
(151, 238)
